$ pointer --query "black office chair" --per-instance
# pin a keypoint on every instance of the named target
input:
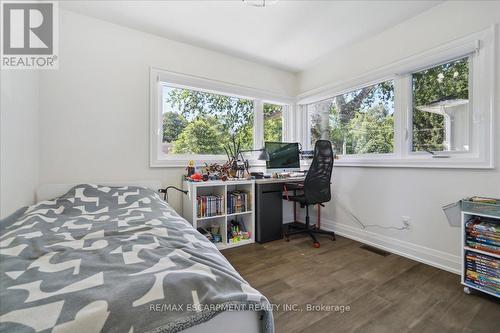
(315, 190)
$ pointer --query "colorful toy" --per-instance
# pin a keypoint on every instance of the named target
(216, 171)
(197, 177)
(237, 232)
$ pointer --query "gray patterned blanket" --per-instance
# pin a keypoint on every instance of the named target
(114, 260)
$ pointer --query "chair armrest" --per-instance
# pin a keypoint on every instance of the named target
(294, 186)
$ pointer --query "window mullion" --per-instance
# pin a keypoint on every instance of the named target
(402, 113)
(303, 132)
(398, 118)
(258, 124)
(287, 132)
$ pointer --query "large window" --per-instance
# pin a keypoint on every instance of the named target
(196, 122)
(197, 119)
(357, 122)
(441, 116)
(434, 109)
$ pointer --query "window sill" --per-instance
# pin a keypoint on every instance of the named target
(428, 162)
(422, 162)
(183, 161)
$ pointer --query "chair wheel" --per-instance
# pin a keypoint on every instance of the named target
(332, 238)
(316, 245)
(287, 239)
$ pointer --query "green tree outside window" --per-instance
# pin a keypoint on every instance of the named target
(273, 122)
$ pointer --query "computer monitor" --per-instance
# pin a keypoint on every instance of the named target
(283, 156)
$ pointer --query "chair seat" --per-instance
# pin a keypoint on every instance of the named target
(300, 198)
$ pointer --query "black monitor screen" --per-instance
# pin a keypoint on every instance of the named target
(282, 155)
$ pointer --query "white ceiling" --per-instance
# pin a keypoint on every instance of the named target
(287, 34)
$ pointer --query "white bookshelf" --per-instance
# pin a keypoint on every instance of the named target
(217, 187)
(466, 216)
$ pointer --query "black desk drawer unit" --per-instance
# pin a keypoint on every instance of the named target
(269, 212)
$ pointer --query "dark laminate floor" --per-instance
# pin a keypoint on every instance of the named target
(385, 294)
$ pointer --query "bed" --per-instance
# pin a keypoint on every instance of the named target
(118, 259)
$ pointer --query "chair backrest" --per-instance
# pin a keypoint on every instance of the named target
(318, 179)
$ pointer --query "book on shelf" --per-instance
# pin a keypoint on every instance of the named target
(482, 260)
(482, 271)
(238, 202)
(209, 205)
(483, 234)
(483, 225)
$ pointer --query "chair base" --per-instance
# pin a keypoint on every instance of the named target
(310, 230)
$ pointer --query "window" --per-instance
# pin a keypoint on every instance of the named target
(357, 122)
(273, 122)
(196, 119)
(196, 122)
(441, 115)
(434, 109)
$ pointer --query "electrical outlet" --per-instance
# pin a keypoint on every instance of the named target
(406, 221)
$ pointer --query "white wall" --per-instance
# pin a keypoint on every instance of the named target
(384, 195)
(18, 139)
(94, 123)
(94, 120)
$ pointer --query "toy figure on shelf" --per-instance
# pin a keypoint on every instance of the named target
(190, 168)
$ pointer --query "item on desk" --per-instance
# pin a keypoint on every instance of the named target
(297, 174)
(238, 165)
(257, 175)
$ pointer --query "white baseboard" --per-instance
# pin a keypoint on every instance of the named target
(426, 255)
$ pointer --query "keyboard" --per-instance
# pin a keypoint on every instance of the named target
(297, 175)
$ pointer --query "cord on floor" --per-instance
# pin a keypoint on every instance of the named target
(365, 226)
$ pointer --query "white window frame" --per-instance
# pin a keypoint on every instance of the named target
(481, 48)
(307, 133)
(285, 121)
(159, 77)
